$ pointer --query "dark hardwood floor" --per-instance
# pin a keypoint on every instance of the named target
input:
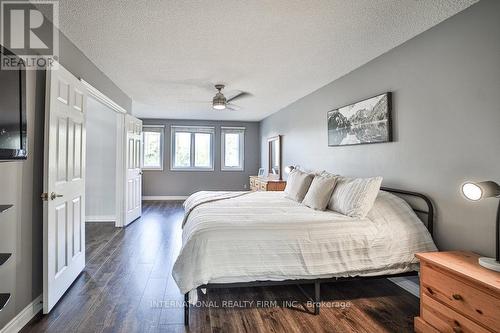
(127, 287)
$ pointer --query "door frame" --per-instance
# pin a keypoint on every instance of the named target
(121, 179)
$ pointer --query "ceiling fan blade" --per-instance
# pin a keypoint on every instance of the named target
(231, 106)
(240, 95)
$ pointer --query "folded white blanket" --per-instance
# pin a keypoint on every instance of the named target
(264, 236)
(202, 197)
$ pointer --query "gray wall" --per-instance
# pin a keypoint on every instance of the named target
(21, 184)
(183, 183)
(446, 94)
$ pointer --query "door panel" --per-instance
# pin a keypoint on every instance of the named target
(61, 148)
(77, 156)
(134, 173)
(61, 221)
(64, 185)
(75, 230)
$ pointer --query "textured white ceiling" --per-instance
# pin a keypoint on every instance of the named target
(167, 54)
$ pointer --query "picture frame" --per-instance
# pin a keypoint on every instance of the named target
(261, 172)
(363, 122)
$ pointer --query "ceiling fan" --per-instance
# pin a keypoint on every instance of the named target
(220, 102)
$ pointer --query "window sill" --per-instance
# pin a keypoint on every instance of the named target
(192, 169)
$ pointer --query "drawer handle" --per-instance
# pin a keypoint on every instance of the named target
(457, 329)
(457, 297)
(430, 291)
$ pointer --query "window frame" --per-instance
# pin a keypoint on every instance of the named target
(162, 146)
(192, 130)
(241, 131)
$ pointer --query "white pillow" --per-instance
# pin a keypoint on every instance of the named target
(354, 196)
(297, 184)
(328, 174)
(320, 192)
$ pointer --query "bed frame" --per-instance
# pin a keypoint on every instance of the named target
(429, 212)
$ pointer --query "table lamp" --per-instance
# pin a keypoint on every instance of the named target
(478, 191)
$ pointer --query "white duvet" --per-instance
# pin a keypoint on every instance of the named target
(263, 236)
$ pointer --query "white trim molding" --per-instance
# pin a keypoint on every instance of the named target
(100, 218)
(94, 92)
(23, 317)
(164, 197)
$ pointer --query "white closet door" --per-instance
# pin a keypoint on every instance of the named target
(133, 189)
(64, 184)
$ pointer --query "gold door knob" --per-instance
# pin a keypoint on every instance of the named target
(54, 195)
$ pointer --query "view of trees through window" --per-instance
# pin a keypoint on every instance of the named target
(232, 150)
(192, 148)
(152, 158)
(182, 149)
(202, 150)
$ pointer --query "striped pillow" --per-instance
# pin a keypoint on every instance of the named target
(354, 196)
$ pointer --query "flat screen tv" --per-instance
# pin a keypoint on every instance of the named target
(13, 131)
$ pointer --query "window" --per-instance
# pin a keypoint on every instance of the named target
(152, 157)
(192, 148)
(232, 148)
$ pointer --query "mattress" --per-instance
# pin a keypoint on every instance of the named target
(261, 236)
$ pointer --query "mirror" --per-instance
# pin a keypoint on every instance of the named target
(274, 147)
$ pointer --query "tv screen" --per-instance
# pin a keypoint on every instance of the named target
(13, 131)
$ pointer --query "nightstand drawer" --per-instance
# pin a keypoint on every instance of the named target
(460, 296)
(421, 326)
(445, 319)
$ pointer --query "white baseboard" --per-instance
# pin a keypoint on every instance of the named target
(163, 197)
(23, 317)
(100, 218)
(407, 284)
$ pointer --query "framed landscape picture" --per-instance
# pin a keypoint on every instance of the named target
(367, 121)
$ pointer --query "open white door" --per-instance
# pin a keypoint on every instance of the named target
(64, 184)
(133, 188)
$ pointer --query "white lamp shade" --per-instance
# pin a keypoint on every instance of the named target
(471, 191)
(481, 190)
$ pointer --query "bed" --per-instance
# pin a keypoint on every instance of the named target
(235, 239)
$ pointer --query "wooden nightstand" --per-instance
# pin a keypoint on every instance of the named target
(266, 184)
(457, 295)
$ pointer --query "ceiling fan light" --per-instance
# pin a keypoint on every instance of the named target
(219, 102)
(219, 106)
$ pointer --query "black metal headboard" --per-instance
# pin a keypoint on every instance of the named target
(430, 208)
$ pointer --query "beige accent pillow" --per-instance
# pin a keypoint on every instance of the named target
(354, 196)
(320, 192)
(297, 184)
